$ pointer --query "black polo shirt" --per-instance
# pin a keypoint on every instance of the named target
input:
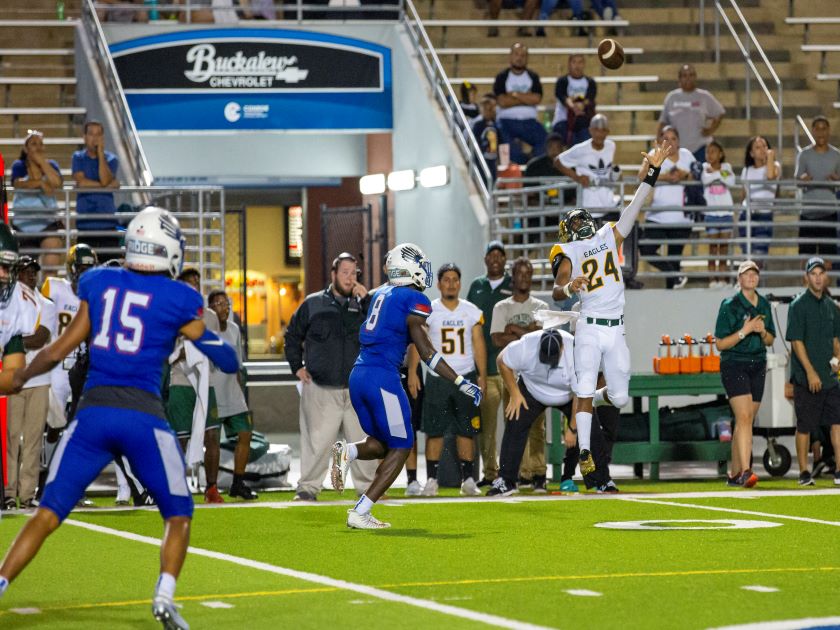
(815, 322)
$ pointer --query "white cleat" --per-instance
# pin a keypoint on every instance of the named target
(414, 489)
(364, 521)
(469, 489)
(431, 488)
(165, 611)
(338, 473)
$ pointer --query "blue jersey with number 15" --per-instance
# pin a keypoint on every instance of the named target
(384, 335)
(134, 322)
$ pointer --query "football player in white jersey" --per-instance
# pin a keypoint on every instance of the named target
(588, 264)
(455, 329)
(18, 313)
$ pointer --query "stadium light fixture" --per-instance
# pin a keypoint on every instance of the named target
(434, 176)
(372, 184)
(402, 180)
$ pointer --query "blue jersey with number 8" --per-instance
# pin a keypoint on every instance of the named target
(384, 335)
(134, 322)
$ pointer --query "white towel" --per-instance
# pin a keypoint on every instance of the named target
(197, 369)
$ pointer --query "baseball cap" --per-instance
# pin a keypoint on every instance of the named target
(746, 266)
(551, 345)
(813, 263)
(599, 121)
(27, 261)
(495, 245)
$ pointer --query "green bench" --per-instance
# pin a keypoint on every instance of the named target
(654, 451)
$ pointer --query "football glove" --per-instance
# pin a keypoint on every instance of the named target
(470, 389)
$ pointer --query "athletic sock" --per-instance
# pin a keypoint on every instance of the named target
(4, 584)
(352, 452)
(364, 505)
(431, 468)
(237, 479)
(466, 470)
(600, 398)
(584, 428)
(412, 474)
(165, 587)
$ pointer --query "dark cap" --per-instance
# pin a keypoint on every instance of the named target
(813, 263)
(27, 261)
(495, 245)
(448, 267)
(551, 346)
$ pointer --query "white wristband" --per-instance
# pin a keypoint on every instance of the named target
(458, 380)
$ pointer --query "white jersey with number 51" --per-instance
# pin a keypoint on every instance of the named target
(597, 258)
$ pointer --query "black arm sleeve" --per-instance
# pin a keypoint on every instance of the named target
(561, 89)
(295, 334)
(537, 83)
(499, 83)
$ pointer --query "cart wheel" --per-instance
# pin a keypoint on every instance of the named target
(779, 465)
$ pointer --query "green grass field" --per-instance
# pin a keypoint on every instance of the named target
(520, 562)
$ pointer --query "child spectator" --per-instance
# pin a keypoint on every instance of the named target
(469, 98)
(717, 177)
(489, 132)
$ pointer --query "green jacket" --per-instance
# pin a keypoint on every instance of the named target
(486, 297)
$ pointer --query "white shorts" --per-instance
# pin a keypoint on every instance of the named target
(602, 349)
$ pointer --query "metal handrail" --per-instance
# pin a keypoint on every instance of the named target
(459, 126)
(108, 71)
(800, 124)
(750, 65)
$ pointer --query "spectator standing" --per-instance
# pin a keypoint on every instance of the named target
(694, 112)
(575, 105)
(671, 224)
(606, 10)
(35, 179)
(322, 344)
(814, 333)
(717, 177)
(455, 332)
(490, 133)
(233, 411)
(513, 318)
(760, 166)
(518, 91)
(95, 173)
(485, 292)
(744, 329)
(819, 162)
(28, 409)
(590, 164)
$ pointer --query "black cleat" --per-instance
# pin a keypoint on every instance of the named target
(242, 491)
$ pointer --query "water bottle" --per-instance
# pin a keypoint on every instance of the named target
(153, 14)
(547, 121)
(59, 10)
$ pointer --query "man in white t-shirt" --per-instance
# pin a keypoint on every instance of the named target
(590, 163)
(455, 329)
(513, 318)
(518, 91)
(28, 409)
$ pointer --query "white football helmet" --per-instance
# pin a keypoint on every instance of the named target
(407, 265)
(153, 242)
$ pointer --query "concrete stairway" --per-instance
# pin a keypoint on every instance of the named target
(37, 79)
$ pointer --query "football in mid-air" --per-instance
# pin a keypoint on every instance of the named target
(611, 54)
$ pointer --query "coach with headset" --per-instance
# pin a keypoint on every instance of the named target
(322, 344)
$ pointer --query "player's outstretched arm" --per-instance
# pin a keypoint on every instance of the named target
(53, 354)
(212, 346)
(432, 358)
(651, 164)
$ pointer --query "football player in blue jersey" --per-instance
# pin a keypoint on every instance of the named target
(132, 317)
(396, 317)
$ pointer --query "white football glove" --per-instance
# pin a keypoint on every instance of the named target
(469, 389)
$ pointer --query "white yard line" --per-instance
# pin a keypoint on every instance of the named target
(713, 508)
(516, 498)
(424, 604)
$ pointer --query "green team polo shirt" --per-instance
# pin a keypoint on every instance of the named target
(734, 311)
(486, 297)
(814, 322)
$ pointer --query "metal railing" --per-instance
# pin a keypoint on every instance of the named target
(769, 231)
(199, 209)
(92, 29)
(799, 126)
(746, 46)
(459, 126)
(298, 11)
